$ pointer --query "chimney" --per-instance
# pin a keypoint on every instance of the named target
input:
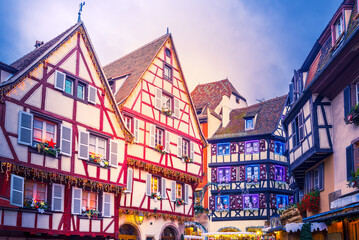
(226, 111)
(38, 44)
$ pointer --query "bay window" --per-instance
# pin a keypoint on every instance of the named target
(279, 148)
(282, 201)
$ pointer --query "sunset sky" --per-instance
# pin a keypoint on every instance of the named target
(256, 44)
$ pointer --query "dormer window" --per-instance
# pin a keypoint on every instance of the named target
(338, 28)
(168, 53)
(249, 123)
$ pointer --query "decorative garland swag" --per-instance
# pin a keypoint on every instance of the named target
(171, 217)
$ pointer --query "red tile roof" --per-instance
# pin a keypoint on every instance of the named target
(268, 115)
(210, 94)
(134, 64)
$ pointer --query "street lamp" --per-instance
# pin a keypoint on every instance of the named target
(139, 218)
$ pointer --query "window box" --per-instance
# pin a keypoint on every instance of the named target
(156, 196)
(90, 213)
(97, 159)
(40, 206)
(353, 116)
(186, 159)
(159, 148)
(179, 202)
(167, 111)
(47, 148)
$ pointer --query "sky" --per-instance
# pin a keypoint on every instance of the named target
(255, 44)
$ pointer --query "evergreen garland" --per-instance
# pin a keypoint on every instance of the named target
(305, 233)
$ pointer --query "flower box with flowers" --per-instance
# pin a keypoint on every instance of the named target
(167, 111)
(156, 196)
(179, 202)
(159, 148)
(40, 206)
(90, 213)
(186, 159)
(48, 148)
(310, 202)
(98, 159)
(353, 116)
(353, 182)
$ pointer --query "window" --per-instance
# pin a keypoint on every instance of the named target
(89, 200)
(185, 148)
(357, 93)
(350, 161)
(252, 173)
(179, 190)
(252, 147)
(279, 148)
(43, 131)
(282, 201)
(168, 53)
(279, 173)
(249, 124)
(347, 101)
(314, 179)
(35, 191)
(159, 137)
(81, 91)
(224, 174)
(237, 99)
(167, 103)
(338, 28)
(222, 148)
(167, 72)
(155, 184)
(97, 145)
(128, 122)
(298, 129)
(250, 201)
(222, 203)
(69, 86)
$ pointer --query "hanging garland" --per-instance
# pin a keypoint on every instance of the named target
(166, 172)
(181, 219)
(40, 175)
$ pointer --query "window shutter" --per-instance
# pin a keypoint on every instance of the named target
(25, 128)
(212, 203)
(214, 175)
(179, 146)
(167, 142)
(176, 108)
(321, 177)
(163, 188)
(129, 180)
(66, 140)
(106, 204)
(173, 191)
(76, 200)
(91, 94)
(294, 137)
(350, 161)
(83, 145)
(148, 184)
(113, 153)
(186, 194)
(60, 80)
(152, 135)
(158, 98)
(57, 197)
(291, 93)
(234, 174)
(191, 155)
(347, 101)
(17, 190)
(136, 129)
(301, 126)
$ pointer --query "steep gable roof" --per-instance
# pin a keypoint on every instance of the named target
(134, 65)
(210, 94)
(268, 115)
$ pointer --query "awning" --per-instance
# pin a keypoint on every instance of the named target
(339, 212)
(316, 226)
(192, 237)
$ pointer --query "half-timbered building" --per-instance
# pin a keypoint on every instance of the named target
(165, 162)
(322, 125)
(248, 169)
(62, 143)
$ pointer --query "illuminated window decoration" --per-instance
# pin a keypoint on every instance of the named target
(224, 174)
(282, 201)
(252, 173)
(35, 196)
(252, 147)
(279, 148)
(222, 203)
(279, 174)
(249, 124)
(154, 184)
(250, 201)
(43, 131)
(89, 200)
(179, 190)
(222, 149)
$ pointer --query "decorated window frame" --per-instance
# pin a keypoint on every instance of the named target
(224, 175)
(251, 147)
(88, 198)
(250, 201)
(279, 148)
(44, 130)
(98, 145)
(179, 190)
(223, 149)
(167, 104)
(279, 173)
(155, 184)
(222, 203)
(35, 191)
(252, 173)
(282, 201)
(249, 123)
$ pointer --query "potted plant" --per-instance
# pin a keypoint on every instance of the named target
(186, 159)
(90, 213)
(156, 196)
(40, 206)
(310, 202)
(159, 148)
(179, 202)
(48, 148)
(167, 111)
(98, 159)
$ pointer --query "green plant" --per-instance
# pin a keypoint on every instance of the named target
(40, 206)
(98, 159)
(48, 147)
(186, 159)
(159, 148)
(198, 209)
(156, 196)
(179, 202)
(305, 233)
(90, 213)
(353, 115)
(310, 202)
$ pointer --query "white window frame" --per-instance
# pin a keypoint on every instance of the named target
(184, 142)
(340, 20)
(157, 136)
(245, 124)
(170, 71)
(44, 123)
(34, 190)
(96, 145)
(88, 198)
(182, 189)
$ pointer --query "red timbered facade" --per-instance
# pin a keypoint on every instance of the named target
(165, 162)
(62, 143)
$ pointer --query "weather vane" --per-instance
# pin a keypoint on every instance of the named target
(80, 10)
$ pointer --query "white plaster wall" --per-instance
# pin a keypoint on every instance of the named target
(53, 98)
(63, 51)
(12, 116)
(21, 89)
(35, 98)
(4, 146)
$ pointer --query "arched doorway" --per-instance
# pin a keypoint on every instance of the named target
(128, 232)
(168, 234)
